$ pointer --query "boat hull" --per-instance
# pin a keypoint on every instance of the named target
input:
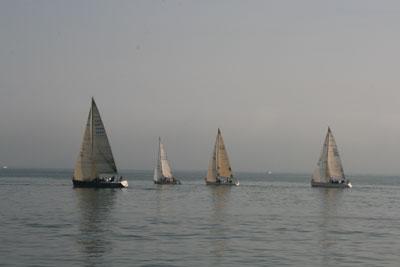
(99, 184)
(223, 184)
(346, 184)
(173, 182)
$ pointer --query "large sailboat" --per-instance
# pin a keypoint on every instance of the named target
(219, 169)
(162, 171)
(95, 166)
(329, 171)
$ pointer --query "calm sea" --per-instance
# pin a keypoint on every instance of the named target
(269, 220)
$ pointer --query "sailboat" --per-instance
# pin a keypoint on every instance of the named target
(162, 171)
(329, 171)
(219, 169)
(95, 166)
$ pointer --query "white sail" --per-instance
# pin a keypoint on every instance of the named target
(165, 167)
(329, 164)
(156, 176)
(95, 157)
(84, 165)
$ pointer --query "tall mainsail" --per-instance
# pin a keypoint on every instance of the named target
(219, 165)
(165, 168)
(95, 156)
(329, 164)
(102, 153)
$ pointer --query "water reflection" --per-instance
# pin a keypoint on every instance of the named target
(94, 223)
(329, 224)
(219, 221)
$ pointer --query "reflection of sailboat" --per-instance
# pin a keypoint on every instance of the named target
(162, 171)
(220, 197)
(95, 166)
(328, 222)
(329, 172)
(94, 207)
(219, 169)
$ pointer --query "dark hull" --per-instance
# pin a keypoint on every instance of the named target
(174, 182)
(97, 184)
(331, 185)
(236, 183)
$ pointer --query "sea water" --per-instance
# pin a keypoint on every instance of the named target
(269, 220)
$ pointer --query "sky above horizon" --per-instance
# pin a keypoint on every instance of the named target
(273, 75)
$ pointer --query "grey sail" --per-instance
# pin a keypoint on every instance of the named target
(212, 166)
(95, 157)
(102, 154)
(329, 165)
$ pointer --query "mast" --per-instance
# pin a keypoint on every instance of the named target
(157, 171)
(92, 139)
(217, 152)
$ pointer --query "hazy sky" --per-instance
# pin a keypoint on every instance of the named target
(272, 74)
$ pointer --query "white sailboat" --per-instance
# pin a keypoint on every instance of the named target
(162, 171)
(95, 166)
(219, 169)
(329, 171)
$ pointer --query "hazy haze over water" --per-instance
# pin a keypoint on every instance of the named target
(272, 74)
